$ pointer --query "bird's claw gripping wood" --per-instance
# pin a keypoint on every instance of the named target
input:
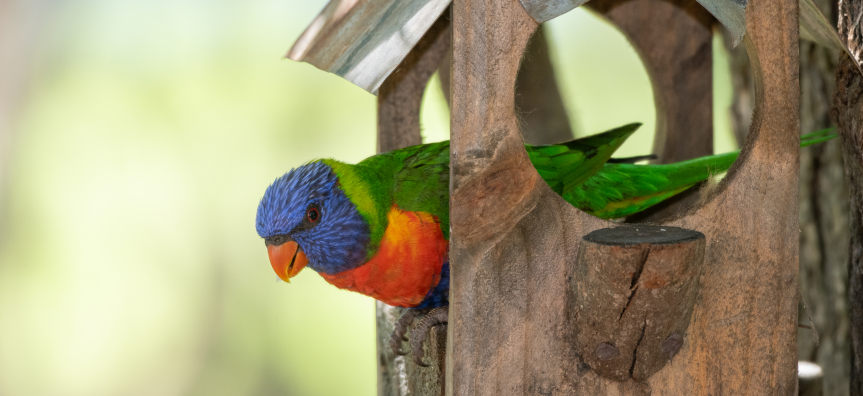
(400, 331)
(420, 332)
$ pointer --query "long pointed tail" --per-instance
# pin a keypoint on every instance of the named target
(619, 190)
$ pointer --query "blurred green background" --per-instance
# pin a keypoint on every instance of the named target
(129, 262)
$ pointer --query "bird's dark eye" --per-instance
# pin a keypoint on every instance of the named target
(313, 215)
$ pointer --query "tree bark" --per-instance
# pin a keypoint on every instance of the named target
(848, 109)
(848, 112)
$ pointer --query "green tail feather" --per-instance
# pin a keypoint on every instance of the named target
(619, 190)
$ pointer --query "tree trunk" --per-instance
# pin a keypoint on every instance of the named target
(849, 115)
(848, 112)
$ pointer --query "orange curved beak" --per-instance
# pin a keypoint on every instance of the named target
(287, 260)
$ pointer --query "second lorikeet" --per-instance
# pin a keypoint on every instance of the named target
(381, 227)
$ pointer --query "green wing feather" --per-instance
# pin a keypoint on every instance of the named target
(565, 166)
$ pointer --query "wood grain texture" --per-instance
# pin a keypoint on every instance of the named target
(364, 41)
(538, 102)
(399, 126)
(677, 55)
(515, 243)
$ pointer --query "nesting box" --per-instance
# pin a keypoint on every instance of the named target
(541, 300)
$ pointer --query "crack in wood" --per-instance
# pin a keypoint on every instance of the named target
(633, 287)
(635, 351)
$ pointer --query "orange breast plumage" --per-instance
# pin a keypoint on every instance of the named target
(407, 265)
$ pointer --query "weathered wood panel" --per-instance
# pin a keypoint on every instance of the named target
(823, 209)
(364, 40)
(514, 242)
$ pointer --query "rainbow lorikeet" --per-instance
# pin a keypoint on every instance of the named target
(381, 227)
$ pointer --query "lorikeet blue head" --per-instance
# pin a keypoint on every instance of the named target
(305, 218)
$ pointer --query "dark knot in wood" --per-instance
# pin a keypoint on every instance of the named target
(631, 297)
(606, 351)
(672, 344)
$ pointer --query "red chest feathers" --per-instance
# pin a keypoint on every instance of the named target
(407, 265)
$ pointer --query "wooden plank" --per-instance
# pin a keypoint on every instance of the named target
(364, 40)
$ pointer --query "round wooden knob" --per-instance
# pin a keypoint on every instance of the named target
(632, 296)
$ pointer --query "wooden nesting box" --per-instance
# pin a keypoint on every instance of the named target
(532, 310)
